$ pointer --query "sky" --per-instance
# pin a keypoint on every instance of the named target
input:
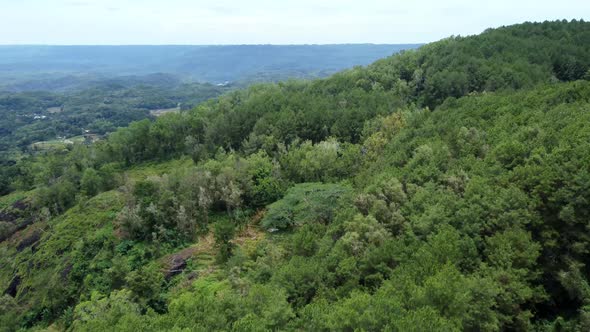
(154, 22)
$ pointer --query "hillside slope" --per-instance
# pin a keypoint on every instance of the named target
(445, 188)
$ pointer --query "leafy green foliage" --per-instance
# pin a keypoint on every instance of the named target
(29, 117)
(224, 232)
(305, 203)
(420, 193)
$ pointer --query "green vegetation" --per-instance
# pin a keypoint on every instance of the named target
(442, 189)
(37, 121)
(303, 204)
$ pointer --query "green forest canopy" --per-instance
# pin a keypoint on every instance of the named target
(445, 188)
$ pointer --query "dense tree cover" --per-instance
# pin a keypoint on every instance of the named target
(359, 202)
(262, 116)
(29, 117)
(504, 58)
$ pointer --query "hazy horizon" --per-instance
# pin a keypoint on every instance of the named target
(263, 22)
(199, 45)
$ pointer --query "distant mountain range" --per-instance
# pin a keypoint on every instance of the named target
(66, 67)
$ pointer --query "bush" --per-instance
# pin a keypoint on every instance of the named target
(305, 203)
(224, 232)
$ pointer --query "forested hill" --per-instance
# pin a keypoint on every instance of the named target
(442, 189)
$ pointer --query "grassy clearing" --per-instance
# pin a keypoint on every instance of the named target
(8, 200)
(161, 112)
(144, 170)
(57, 144)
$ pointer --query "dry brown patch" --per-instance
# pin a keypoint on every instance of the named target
(174, 264)
(250, 233)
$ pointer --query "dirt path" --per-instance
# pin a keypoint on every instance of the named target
(176, 263)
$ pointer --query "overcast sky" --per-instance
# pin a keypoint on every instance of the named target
(265, 21)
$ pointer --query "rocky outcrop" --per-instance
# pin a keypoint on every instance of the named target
(12, 289)
(28, 241)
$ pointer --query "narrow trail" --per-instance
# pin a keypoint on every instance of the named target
(176, 263)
